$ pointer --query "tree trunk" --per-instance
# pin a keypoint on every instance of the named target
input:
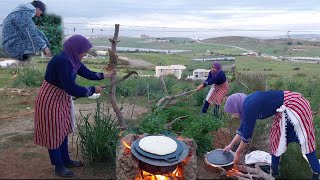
(113, 60)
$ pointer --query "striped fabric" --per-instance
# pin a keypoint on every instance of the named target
(218, 93)
(304, 126)
(52, 119)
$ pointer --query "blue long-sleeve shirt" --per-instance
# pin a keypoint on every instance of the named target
(60, 73)
(220, 78)
(258, 105)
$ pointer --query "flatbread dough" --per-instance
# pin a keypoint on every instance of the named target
(159, 145)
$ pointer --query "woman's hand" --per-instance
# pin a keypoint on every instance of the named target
(228, 148)
(47, 52)
(200, 87)
(98, 89)
(109, 74)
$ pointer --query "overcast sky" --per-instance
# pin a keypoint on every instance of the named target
(191, 18)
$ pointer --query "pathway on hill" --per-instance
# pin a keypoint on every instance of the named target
(225, 46)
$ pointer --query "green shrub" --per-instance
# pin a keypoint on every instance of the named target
(200, 96)
(153, 124)
(279, 84)
(293, 165)
(198, 128)
(28, 76)
(51, 26)
(98, 140)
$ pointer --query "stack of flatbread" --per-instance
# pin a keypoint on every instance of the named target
(158, 145)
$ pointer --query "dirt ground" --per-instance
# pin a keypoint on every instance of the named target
(20, 158)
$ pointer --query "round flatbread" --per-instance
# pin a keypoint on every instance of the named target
(159, 145)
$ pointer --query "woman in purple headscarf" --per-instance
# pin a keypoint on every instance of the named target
(54, 118)
(219, 89)
(293, 122)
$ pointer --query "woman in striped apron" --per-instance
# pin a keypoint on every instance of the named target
(293, 122)
(218, 90)
(54, 118)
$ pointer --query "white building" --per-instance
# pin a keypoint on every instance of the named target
(199, 74)
(173, 69)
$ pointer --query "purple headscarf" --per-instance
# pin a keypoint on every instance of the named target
(234, 103)
(75, 46)
(218, 67)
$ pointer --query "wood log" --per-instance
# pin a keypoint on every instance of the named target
(246, 173)
(169, 125)
(162, 103)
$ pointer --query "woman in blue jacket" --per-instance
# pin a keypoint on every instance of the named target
(219, 89)
(54, 119)
(293, 122)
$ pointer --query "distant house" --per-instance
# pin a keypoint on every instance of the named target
(173, 69)
(199, 74)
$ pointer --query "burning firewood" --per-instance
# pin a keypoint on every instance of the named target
(244, 172)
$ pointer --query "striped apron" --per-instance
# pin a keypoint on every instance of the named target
(217, 93)
(52, 119)
(297, 110)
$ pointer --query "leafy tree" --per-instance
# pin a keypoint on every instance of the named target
(51, 26)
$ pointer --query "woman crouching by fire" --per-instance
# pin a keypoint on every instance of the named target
(293, 122)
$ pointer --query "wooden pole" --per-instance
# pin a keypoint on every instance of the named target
(113, 61)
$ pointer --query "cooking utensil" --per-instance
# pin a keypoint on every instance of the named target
(159, 162)
(219, 158)
(169, 157)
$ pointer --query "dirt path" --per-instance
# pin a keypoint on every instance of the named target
(20, 158)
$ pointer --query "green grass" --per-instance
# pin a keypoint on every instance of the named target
(280, 68)
(277, 47)
(5, 77)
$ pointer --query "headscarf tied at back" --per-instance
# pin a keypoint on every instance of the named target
(218, 67)
(75, 46)
(234, 103)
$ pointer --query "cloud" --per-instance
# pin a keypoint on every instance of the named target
(181, 15)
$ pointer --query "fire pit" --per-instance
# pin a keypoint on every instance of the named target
(134, 163)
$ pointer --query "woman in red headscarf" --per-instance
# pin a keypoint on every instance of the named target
(54, 119)
(219, 89)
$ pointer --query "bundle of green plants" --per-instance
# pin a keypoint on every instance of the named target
(98, 139)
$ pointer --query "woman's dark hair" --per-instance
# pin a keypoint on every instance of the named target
(40, 5)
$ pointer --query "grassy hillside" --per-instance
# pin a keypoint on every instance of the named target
(275, 68)
(277, 47)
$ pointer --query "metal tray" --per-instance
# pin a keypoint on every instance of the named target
(219, 158)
